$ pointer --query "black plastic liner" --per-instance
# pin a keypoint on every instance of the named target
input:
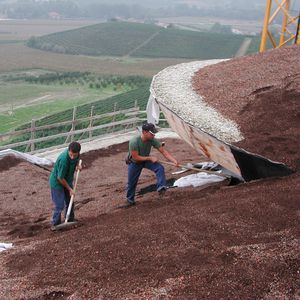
(253, 166)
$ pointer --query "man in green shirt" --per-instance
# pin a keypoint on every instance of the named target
(139, 158)
(61, 181)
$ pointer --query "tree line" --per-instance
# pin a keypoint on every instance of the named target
(82, 78)
(74, 9)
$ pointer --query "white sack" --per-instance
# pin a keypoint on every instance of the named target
(198, 179)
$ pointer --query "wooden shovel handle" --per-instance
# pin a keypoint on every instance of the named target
(74, 189)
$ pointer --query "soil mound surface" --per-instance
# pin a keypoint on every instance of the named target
(9, 161)
(261, 94)
(221, 242)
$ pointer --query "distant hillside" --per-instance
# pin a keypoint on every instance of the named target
(141, 40)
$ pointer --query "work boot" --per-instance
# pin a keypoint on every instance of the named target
(162, 191)
(127, 204)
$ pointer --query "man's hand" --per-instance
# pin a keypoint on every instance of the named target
(176, 163)
(72, 193)
(153, 159)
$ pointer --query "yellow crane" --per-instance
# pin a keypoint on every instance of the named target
(290, 24)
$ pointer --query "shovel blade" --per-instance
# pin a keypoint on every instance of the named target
(63, 226)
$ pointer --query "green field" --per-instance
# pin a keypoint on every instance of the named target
(126, 100)
(141, 40)
(23, 114)
(21, 101)
(191, 44)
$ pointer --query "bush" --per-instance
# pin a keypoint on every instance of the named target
(59, 49)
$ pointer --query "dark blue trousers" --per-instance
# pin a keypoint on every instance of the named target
(134, 172)
(61, 199)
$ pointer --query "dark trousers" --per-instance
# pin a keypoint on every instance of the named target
(134, 172)
(61, 199)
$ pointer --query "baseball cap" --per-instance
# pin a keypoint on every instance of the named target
(149, 127)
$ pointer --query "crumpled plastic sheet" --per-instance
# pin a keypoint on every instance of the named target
(5, 246)
(28, 157)
(199, 179)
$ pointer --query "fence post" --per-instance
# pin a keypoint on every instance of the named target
(32, 136)
(91, 123)
(137, 113)
(73, 126)
(114, 116)
(73, 122)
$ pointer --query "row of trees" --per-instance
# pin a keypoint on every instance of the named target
(75, 9)
(83, 78)
(40, 43)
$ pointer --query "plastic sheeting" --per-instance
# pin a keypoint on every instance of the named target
(198, 180)
(30, 158)
(153, 110)
(5, 246)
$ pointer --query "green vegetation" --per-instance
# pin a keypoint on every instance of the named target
(14, 94)
(123, 101)
(141, 40)
(108, 39)
(191, 44)
(127, 100)
(24, 97)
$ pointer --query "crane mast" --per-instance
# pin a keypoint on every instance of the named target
(289, 29)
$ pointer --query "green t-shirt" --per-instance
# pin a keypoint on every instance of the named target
(64, 167)
(143, 148)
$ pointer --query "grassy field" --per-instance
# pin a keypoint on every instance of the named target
(191, 44)
(105, 39)
(122, 101)
(126, 100)
(21, 101)
(21, 114)
(141, 40)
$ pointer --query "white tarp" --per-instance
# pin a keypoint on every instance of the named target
(152, 110)
(5, 246)
(30, 158)
(198, 179)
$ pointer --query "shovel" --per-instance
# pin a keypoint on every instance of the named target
(194, 169)
(67, 224)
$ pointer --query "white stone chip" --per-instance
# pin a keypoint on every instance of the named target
(173, 87)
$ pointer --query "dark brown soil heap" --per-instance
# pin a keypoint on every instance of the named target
(222, 242)
(261, 93)
(8, 161)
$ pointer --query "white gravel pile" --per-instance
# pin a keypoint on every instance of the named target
(173, 87)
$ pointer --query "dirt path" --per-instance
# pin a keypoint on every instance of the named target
(142, 44)
(244, 47)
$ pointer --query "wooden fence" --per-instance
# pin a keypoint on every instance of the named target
(129, 119)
